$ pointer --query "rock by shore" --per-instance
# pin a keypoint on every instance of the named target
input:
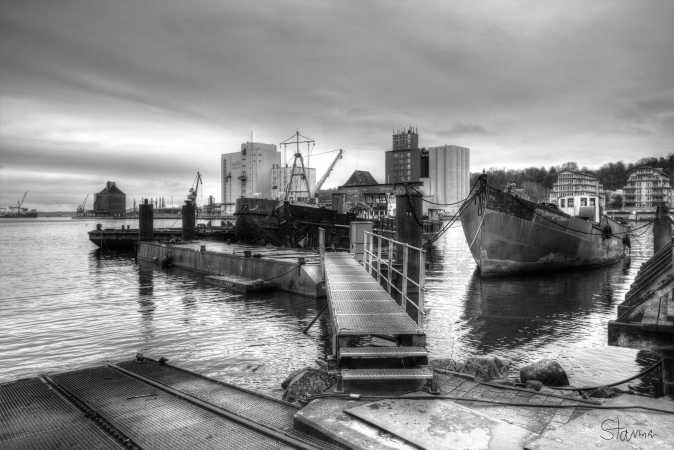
(547, 371)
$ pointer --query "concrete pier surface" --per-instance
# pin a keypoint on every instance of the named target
(291, 270)
(474, 415)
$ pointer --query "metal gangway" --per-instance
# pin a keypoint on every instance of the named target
(378, 294)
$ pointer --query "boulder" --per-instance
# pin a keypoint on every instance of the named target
(547, 371)
(304, 383)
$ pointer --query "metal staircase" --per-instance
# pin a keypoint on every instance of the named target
(372, 300)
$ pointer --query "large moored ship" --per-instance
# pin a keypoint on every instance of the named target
(508, 234)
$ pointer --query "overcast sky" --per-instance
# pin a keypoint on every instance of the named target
(147, 92)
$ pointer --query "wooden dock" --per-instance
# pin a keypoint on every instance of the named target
(361, 307)
(143, 404)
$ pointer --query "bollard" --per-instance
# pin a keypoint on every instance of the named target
(321, 249)
(145, 221)
(662, 229)
(409, 216)
(357, 237)
(189, 221)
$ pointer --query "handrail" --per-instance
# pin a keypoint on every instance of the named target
(385, 255)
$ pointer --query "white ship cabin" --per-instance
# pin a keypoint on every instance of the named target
(578, 194)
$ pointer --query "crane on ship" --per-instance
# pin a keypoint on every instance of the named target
(325, 176)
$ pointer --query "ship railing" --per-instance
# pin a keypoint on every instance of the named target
(399, 267)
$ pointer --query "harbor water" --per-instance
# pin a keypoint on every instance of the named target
(66, 305)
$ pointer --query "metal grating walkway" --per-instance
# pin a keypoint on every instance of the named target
(154, 418)
(262, 409)
(144, 403)
(348, 282)
(32, 415)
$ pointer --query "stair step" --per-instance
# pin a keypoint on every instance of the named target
(381, 352)
(417, 373)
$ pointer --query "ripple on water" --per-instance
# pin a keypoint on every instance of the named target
(67, 306)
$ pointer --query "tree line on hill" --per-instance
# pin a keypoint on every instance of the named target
(537, 181)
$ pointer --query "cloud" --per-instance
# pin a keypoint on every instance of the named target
(147, 91)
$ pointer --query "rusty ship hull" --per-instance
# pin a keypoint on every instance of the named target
(510, 235)
(279, 223)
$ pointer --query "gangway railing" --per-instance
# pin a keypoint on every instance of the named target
(400, 268)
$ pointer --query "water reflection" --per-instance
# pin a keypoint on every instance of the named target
(510, 312)
(145, 291)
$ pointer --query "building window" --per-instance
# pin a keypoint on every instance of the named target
(583, 201)
(562, 202)
(569, 202)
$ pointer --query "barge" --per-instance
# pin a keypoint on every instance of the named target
(508, 234)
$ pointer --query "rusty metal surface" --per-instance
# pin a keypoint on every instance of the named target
(34, 416)
(154, 418)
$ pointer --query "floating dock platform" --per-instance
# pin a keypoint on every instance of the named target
(126, 239)
(292, 270)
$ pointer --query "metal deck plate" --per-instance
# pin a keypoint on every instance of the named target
(367, 308)
(34, 416)
(399, 323)
(348, 295)
(358, 303)
(154, 418)
(420, 373)
(267, 411)
(381, 352)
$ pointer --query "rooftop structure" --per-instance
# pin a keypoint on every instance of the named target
(647, 188)
(363, 196)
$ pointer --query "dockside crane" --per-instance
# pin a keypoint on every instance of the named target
(81, 208)
(19, 203)
(194, 190)
(325, 176)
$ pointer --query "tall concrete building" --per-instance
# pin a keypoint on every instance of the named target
(403, 162)
(647, 188)
(280, 177)
(247, 173)
(448, 175)
(444, 170)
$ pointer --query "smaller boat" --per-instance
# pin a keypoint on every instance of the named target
(508, 234)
